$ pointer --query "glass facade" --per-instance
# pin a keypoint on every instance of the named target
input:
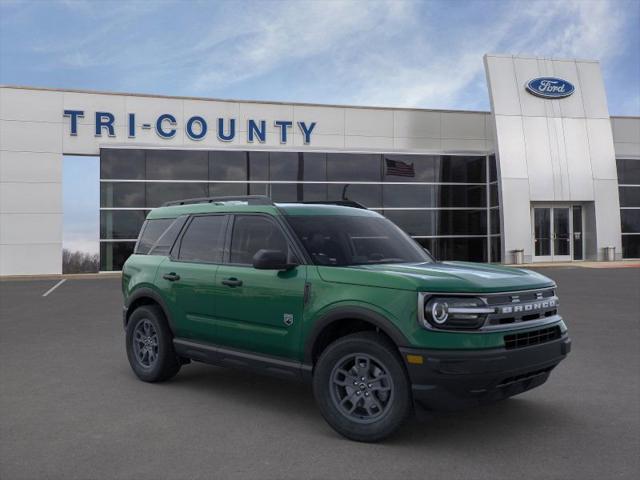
(448, 203)
(629, 190)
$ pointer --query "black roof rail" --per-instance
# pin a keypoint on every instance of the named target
(250, 199)
(342, 203)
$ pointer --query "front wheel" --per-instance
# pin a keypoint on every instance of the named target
(361, 387)
(150, 345)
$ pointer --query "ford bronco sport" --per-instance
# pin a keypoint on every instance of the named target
(338, 296)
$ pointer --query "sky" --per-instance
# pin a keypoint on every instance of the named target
(380, 53)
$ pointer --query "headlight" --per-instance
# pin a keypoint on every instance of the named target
(454, 312)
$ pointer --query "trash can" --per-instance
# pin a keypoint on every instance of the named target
(609, 253)
(518, 257)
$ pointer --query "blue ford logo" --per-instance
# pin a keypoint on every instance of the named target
(550, 87)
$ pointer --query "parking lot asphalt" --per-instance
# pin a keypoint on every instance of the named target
(70, 407)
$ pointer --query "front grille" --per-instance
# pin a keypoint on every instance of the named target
(534, 337)
(522, 306)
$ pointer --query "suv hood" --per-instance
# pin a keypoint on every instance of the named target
(458, 277)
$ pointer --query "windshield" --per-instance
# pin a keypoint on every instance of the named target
(342, 240)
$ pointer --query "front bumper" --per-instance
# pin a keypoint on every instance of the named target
(453, 379)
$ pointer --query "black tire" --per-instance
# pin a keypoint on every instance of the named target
(388, 400)
(150, 345)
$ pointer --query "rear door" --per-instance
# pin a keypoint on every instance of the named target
(259, 310)
(187, 277)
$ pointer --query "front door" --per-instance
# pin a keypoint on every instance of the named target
(258, 310)
(557, 233)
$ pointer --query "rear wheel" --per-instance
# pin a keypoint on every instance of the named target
(361, 387)
(150, 345)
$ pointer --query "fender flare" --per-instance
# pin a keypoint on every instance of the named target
(146, 292)
(351, 313)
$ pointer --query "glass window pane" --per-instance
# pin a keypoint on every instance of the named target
(410, 168)
(252, 233)
(225, 165)
(456, 196)
(363, 167)
(440, 222)
(177, 165)
(495, 220)
(230, 189)
(398, 196)
(630, 221)
(631, 246)
(315, 167)
(154, 230)
(125, 164)
(129, 195)
(493, 168)
(628, 171)
(496, 249)
(494, 200)
(629, 196)
(542, 231)
(258, 166)
(462, 249)
(285, 166)
(286, 192)
(367, 195)
(314, 192)
(203, 240)
(461, 169)
(159, 193)
(121, 223)
(114, 254)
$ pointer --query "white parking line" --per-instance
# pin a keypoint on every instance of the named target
(54, 287)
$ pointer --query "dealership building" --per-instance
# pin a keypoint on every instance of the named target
(546, 175)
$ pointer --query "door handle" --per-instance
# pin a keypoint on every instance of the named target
(172, 277)
(232, 282)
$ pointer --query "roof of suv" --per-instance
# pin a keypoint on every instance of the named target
(238, 206)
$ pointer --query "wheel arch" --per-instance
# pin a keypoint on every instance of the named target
(146, 296)
(325, 328)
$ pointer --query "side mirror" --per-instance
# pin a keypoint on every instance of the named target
(271, 260)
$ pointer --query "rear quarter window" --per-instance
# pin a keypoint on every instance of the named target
(158, 235)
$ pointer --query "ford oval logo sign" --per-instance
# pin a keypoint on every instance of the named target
(550, 87)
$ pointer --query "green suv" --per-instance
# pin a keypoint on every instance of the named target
(339, 296)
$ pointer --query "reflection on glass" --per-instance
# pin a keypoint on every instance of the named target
(114, 254)
(367, 195)
(440, 222)
(129, 195)
(353, 167)
(182, 165)
(631, 246)
(471, 249)
(577, 232)
(159, 193)
(542, 228)
(561, 237)
(124, 164)
(121, 223)
(630, 221)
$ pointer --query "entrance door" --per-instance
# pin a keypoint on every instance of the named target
(557, 233)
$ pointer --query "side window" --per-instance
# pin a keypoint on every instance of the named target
(163, 245)
(150, 233)
(252, 233)
(204, 239)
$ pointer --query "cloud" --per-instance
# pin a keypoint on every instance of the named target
(387, 52)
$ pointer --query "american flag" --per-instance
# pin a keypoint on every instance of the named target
(399, 168)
